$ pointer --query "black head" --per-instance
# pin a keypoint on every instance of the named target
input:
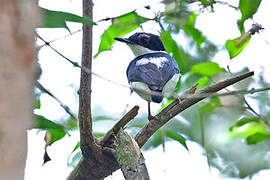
(146, 40)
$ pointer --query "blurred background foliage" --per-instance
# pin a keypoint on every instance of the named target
(235, 136)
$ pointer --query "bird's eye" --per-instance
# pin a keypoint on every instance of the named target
(143, 39)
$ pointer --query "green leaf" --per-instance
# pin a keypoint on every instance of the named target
(172, 47)
(247, 8)
(37, 103)
(154, 141)
(214, 103)
(71, 124)
(55, 135)
(175, 136)
(257, 137)
(244, 121)
(102, 118)
(57, 19)
(251, 129)
(203, 81)
(45, 124)
(207, 69)
(76, 147)
(190, 29)
(235, 46)
(121, 26)
(54, 132)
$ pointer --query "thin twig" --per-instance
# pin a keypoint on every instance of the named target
(262, 118)
(227, 4)
(70, 34)
(120, 124)
(65, 107)
(237, 92)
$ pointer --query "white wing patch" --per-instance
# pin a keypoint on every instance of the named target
(158, 61)
(169, 87)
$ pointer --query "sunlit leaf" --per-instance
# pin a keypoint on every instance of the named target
(235, 46)
(58, 19)
(214, 103)
(251, 129)
(207, 69)
(121, 26)
(243, 121)
(203, 81)
(247, 8)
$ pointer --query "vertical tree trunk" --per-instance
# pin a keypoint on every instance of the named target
(97, 162)
(17, 53)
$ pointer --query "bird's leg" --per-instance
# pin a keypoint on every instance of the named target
(150, 117)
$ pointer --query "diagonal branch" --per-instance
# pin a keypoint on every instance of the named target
(120, 124)
(177, 107)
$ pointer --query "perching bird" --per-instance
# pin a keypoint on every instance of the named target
(153, 73)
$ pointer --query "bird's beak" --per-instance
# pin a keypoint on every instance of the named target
(125, 40)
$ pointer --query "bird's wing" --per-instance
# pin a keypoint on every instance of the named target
(153, 69)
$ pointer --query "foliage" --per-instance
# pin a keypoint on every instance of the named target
(247, 8)
(120, 26)
(236, 45)
(218, 123)
(57, 19)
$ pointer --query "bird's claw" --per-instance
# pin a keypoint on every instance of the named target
(150, 117)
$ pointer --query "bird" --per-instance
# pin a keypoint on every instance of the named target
(153, 73)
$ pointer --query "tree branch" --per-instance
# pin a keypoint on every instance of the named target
(130, 158)
(97, 162)
(120, 124)
(85, 117)
(176, 107)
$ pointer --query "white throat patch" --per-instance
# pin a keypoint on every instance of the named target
(140, 50)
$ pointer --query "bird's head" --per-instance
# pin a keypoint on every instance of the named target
(143, 43)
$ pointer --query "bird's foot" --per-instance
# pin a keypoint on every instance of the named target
(150, 117)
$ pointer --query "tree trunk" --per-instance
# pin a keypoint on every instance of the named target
(17, 68)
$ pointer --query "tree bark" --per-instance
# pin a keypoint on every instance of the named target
(97, 161)
(18, 72)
